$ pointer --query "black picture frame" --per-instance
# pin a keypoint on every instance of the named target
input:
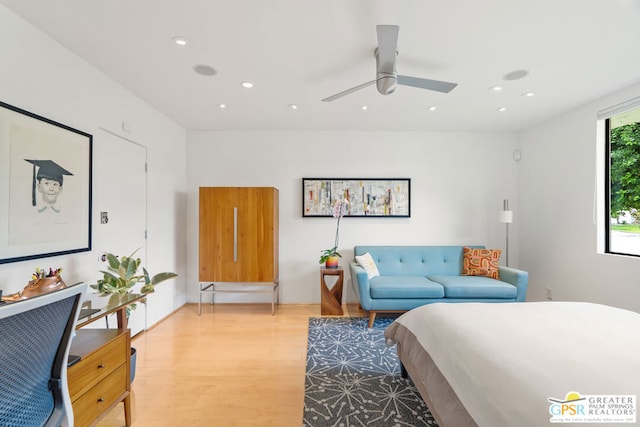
(368, 197)
(45, 187)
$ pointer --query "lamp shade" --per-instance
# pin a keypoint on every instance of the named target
(505, 217)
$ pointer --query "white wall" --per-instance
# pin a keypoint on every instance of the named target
(558, 237)
(40, 76)
(458, 182)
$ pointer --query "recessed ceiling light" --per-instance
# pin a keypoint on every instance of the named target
(293, 106)
(501, 109)
(528, 94)
(247, 84)
(222, 106)
(181, 41)
(516, 75)
(364, 107)
(495, 88)
(432, 108)
(204, 70)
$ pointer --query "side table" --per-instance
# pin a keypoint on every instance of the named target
(331, 298)
(101, 379)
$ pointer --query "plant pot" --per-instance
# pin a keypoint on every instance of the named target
(132, 375)
(37, 287)
(331, 262)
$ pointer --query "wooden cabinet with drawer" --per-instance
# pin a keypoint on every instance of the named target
(100, 380)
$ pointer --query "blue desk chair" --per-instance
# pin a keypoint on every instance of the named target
(35, 335)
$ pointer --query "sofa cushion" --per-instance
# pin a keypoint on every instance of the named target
(414, 260)
(475, 287)
(365, 261)
(401, 287)
(481, 262)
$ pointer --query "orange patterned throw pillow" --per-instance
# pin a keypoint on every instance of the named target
(481, 262)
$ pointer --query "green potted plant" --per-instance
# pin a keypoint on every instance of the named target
(329, 257)
(121, 276)
(124, 273)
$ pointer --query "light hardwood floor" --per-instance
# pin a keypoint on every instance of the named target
(235, 365)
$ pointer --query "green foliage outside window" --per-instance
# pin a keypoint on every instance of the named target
(625, 170)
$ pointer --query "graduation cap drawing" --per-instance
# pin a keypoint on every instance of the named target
(47, 169)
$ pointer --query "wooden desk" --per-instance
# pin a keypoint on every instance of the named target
(331, 298)
(101, 379)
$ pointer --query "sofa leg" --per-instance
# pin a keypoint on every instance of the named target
(403, 371)
(372, 317)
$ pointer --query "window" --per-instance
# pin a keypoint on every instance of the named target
(622, 183)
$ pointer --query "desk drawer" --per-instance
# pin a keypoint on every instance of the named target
(95, 366)
(91, 404)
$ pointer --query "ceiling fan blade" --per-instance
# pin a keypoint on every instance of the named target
(387, 47)
(437, 85)
(348, 91)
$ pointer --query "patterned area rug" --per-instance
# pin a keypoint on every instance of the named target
(353, 378)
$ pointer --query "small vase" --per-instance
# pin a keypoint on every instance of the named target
(331, 262)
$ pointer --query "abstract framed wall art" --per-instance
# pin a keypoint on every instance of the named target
(45, 187)
(368, 197)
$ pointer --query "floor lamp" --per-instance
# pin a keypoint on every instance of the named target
(506, 218)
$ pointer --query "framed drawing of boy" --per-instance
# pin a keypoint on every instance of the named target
(45, 187)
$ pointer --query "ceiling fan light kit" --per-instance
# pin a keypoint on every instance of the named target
(386, 76)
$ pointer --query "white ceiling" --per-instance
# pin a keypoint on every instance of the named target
(301, 51)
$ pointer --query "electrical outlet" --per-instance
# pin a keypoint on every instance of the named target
(104, 217)
(549, 295)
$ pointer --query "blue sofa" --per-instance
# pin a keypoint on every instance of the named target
(412, 276)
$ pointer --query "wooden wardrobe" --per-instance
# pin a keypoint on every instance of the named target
(238, 236)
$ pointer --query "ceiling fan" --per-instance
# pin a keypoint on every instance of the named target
(386, 76)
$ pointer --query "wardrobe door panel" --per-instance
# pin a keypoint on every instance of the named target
(217, 234)
(257, 228)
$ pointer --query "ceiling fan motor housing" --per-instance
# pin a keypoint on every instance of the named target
(386, 83)
(386, 76)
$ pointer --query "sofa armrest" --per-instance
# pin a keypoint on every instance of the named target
(360, 283)
(518, 278)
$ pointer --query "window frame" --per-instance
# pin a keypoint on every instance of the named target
(606, 118)
(607, 187)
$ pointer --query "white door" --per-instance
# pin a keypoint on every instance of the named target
(120, 191)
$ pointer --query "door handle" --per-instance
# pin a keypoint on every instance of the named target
(235, 234)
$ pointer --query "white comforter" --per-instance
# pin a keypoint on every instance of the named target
(504, 361)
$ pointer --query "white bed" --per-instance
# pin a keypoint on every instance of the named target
(498, 364)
